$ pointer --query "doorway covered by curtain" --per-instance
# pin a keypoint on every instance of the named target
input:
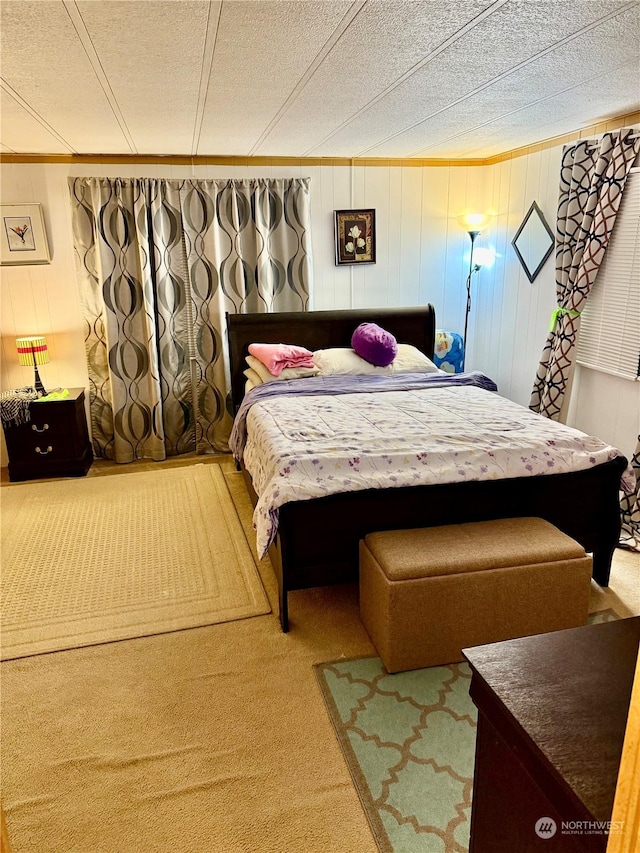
(159, 264)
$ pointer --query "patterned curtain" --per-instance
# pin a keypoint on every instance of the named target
(592, 180)
(159, 263)
(630, 506)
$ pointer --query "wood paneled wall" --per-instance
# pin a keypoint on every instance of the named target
(422, 256)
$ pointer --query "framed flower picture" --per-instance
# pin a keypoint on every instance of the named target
(355, 236)
(23, 239)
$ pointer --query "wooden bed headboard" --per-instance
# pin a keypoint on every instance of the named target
(320, 330)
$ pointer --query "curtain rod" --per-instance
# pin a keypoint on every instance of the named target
(599, 138)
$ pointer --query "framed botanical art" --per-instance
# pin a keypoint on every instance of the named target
(355, 236)
(23, 239)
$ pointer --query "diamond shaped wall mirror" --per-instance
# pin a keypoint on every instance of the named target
(533, 242)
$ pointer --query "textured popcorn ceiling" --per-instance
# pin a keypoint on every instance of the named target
(375, 78)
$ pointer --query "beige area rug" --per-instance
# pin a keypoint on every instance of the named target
(96, 560)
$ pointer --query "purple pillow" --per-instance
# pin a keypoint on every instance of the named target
(374, 344)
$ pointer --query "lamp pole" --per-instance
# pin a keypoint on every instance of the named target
(472, 269)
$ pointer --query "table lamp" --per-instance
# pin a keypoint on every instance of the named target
(33, 351)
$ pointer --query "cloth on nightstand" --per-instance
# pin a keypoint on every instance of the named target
(14, 405)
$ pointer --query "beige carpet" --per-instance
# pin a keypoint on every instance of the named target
(214, 740)
(96, 560)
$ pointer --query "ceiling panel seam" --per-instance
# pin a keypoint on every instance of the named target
(566, 40)
(213, 23)
(336, 35)
(86, 42)
(25, 106)
(476, 127)
(414, 69)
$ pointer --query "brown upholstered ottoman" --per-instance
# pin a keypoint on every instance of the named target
(426, 594)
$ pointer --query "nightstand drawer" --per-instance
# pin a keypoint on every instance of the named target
(46, 446)
(36, 436)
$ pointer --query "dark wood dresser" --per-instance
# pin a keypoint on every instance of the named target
(552, 712)
(54, 443)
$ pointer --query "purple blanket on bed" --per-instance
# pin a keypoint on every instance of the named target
(337, 385)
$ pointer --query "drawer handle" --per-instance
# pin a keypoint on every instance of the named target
(44, 452)
(36, 429)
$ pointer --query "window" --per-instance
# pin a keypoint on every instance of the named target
(610, 327)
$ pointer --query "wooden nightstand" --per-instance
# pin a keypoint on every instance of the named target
(54, 443)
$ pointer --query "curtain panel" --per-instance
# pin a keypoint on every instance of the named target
(159, 263)
(630, 506)
(592, 180)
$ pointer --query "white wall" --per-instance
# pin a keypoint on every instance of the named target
(420, 248)
(511, 320)
(606, 406)
(422, 256)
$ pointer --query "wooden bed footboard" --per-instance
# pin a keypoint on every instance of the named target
(317, 541)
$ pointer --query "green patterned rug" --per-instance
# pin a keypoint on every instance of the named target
(409, 742)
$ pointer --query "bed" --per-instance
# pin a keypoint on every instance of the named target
(316, 542)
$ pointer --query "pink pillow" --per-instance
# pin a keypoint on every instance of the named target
(374, 344)
(276, 357)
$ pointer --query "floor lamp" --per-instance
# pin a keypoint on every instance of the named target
(473, 224)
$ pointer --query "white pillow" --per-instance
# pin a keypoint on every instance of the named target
(343, 361)
(253, 380)
(287, 373)
(410, 360)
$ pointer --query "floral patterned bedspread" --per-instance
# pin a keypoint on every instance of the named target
(303, 447)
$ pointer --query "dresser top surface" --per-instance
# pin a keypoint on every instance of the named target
(568, 693)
